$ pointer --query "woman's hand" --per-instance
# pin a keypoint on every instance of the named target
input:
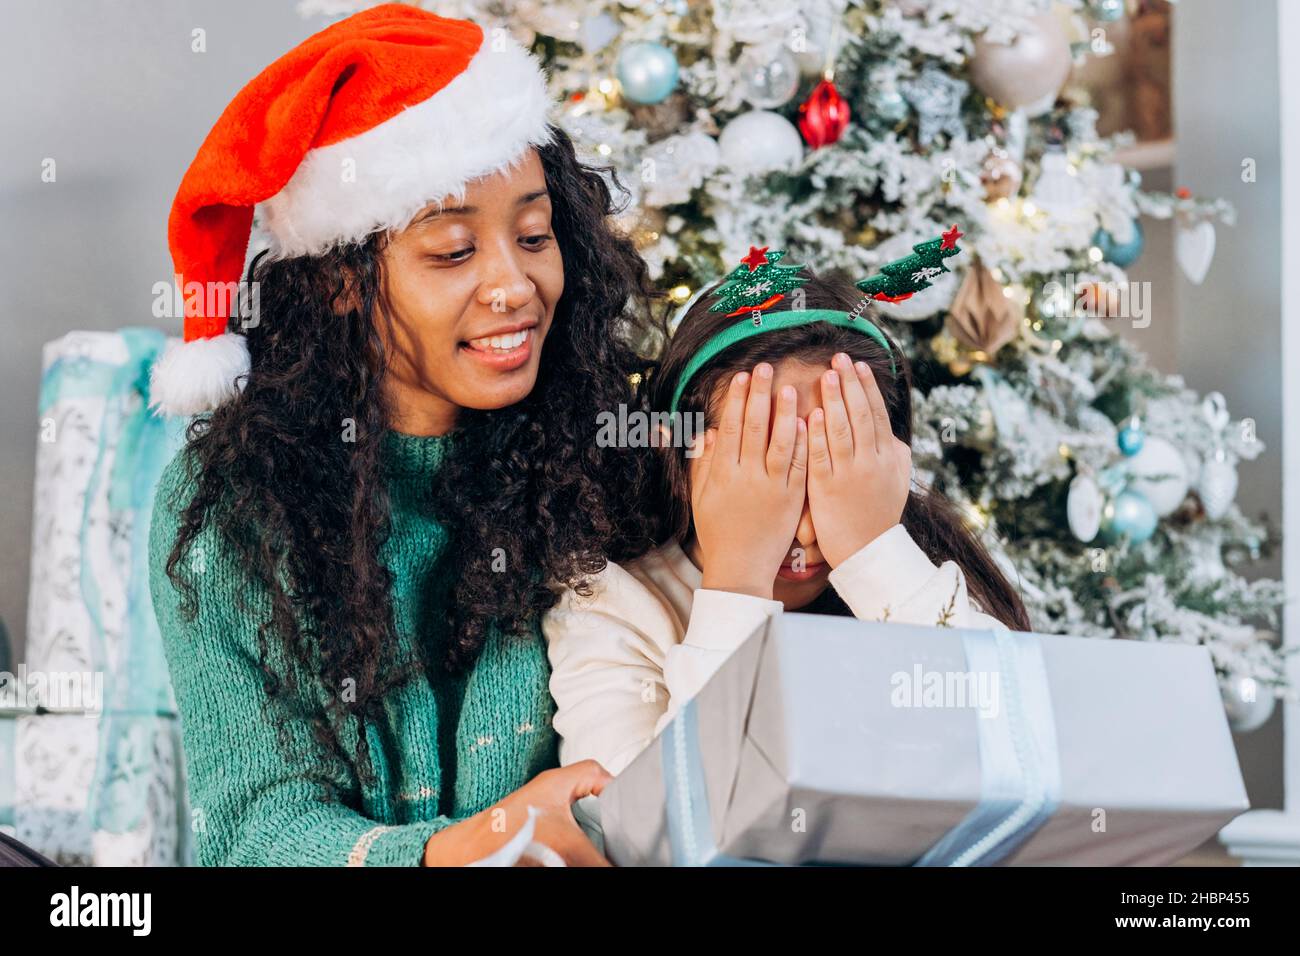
(747, 492)
(858, 472)
(552, 793)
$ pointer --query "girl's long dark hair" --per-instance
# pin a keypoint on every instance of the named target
(309, 512)
(929, 518)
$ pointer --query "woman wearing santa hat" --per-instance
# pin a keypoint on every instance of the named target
(394, 455)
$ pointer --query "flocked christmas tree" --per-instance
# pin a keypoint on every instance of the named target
(847, 132)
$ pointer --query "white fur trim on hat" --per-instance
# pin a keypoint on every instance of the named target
(197, 376)
(480, 123)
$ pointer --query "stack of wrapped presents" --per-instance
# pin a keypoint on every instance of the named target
(91, 767)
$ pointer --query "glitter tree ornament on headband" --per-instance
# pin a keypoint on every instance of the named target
(757, 283)
(902, 278)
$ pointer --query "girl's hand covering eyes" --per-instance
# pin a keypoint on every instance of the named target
(747, 492)
(859, 473)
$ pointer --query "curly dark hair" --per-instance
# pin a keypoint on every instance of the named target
(309, 513)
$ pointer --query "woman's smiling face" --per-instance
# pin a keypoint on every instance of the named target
(472, 291)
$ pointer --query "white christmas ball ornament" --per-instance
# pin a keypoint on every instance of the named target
(769, 75)
(1083, 506)
(1248, 703)
(1028, 72)
(760, 141)
(1160, 474)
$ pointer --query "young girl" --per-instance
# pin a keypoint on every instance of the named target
(800, 498)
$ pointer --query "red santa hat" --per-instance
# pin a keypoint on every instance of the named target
(353, 131)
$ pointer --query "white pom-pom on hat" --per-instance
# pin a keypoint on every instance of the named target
(193, 377)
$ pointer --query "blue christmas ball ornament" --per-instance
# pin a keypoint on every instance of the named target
(1108, 10)
(1120, 254)
(647, 72)
(1129, 515)
(1130, 440)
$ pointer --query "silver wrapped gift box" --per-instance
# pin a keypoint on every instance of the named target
(837, 741)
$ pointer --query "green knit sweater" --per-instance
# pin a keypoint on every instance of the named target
(445, 748)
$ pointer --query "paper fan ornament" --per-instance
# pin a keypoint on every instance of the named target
(982, 316)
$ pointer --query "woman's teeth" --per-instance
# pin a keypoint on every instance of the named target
(500, 343)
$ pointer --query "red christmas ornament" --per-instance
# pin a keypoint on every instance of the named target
(824, 115)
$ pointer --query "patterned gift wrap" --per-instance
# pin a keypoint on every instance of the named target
(107, 788)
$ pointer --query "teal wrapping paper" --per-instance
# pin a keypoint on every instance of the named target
(90, 609)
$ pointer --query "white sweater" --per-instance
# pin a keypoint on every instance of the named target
(650, 637)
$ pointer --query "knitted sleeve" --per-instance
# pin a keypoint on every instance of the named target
(249, 805)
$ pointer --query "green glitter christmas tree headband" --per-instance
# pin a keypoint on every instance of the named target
(761, 280)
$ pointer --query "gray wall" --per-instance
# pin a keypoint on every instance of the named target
(1229, 329)
(113, 93)
(1159, 340)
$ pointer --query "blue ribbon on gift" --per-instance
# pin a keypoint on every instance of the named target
(1019, 766)
(140, 694)
(690, 833)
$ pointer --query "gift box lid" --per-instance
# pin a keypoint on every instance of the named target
(871, 732)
